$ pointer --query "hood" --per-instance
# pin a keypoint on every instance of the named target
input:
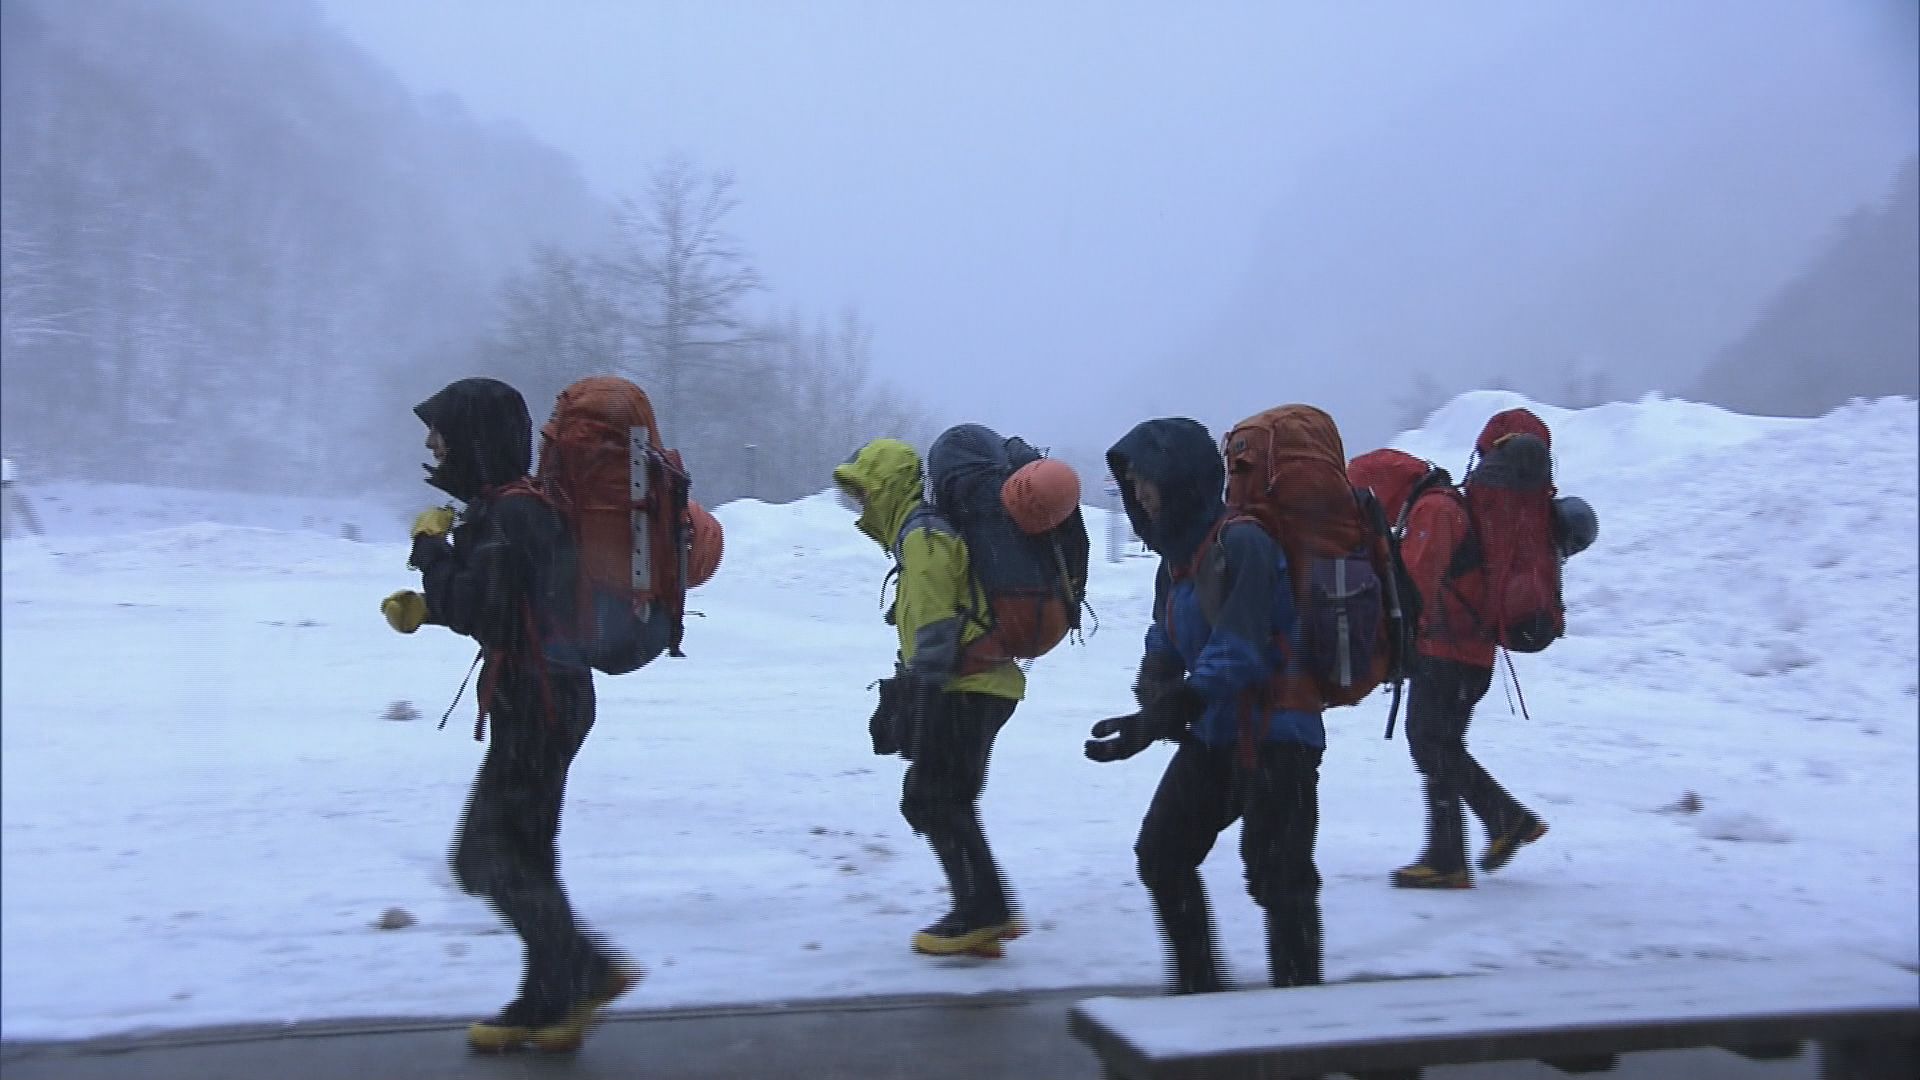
(1514, 451)
(488, 434)
(966, 466)
(1512, 422)
(887, 473)
(1180, 458)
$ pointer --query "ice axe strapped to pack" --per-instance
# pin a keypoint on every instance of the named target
(642, 541)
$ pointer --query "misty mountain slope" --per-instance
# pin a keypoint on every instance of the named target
(198, 783)
(1848, 325)
(1614, 191)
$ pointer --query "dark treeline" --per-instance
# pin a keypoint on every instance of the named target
(236, 250)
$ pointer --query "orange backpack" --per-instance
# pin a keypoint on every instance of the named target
(1287, 470)
(642, 541)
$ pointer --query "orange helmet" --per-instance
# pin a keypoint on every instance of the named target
(1041, 494)
(705, 545)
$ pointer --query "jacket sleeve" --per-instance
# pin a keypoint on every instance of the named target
(932, 608)
(1160, 659)
(1435, 529)
(1246, 591)
(479, 589)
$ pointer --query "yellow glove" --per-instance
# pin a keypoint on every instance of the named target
(435, 522)
(405, 610)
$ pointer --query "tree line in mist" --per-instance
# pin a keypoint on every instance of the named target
(235, 251)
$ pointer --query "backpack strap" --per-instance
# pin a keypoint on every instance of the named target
(927, 517)
(1466, 558)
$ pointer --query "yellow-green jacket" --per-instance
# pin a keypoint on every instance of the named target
(933, 610)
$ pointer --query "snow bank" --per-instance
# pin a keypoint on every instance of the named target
(199, 782)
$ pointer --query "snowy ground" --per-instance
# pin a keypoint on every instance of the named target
(204, 811)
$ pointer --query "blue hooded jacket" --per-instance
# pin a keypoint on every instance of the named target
(1219, 624)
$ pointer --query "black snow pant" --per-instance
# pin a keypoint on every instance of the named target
(506, 848)
(941, 799)
(1277, 801)
(1440, 705)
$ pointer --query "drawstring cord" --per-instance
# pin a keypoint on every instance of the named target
(1514, 677)
(457, 694)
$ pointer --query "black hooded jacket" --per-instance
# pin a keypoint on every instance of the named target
(506, 580)
(1180, 458)
(1217, 626)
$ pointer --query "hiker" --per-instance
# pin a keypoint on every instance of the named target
(505, 576)
(958, 676)
(1484, 563)
(1213, 677)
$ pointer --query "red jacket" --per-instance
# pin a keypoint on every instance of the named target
(1448, 629)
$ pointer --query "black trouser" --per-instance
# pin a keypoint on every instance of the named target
(941, 799)
(506, 850)
(1440, 705)
(1277, 801)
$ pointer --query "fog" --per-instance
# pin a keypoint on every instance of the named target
(1093, 202)
(1062, 217)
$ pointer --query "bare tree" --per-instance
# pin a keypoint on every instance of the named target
(28, 309)
(559, 322)
(682, 279)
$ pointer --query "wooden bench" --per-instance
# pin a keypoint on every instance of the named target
(1864, 1016)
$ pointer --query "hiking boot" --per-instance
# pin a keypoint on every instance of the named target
(1501, 849)
(615, 982)
(565, 1035)
(954, 935)
(1012, 928)
(510, 1029)
(1421, 876)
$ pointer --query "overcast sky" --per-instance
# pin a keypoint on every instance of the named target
(1060, 216)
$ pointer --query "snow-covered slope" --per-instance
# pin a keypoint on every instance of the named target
(204, 810)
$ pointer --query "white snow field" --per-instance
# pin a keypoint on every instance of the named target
(205, 812)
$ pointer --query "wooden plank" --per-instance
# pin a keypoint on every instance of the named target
(1586, 1063)
(1768, 1051)
(1507, 1016)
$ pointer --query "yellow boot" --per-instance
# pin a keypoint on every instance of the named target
(1421, 876)
(566, 1034)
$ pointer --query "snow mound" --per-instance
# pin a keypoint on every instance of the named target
(1741, 827)
(221, 548)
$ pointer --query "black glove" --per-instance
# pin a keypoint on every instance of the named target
(1166, 717)
(885, 725)
(428, 550)
(1159, 673)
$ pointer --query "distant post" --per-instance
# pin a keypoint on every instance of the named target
(12, 503)
(1116, 513)
(753, 471)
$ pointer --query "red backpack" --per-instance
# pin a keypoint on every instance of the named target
(642, 541)
(1511, 542)
(1286, 470)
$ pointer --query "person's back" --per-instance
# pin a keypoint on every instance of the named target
(1457, 640)
(951, 700)
(1223, 648)
(504, 576)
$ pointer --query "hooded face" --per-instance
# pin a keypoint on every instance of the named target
(885, 479)
(1183, 478)
(484, 437)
